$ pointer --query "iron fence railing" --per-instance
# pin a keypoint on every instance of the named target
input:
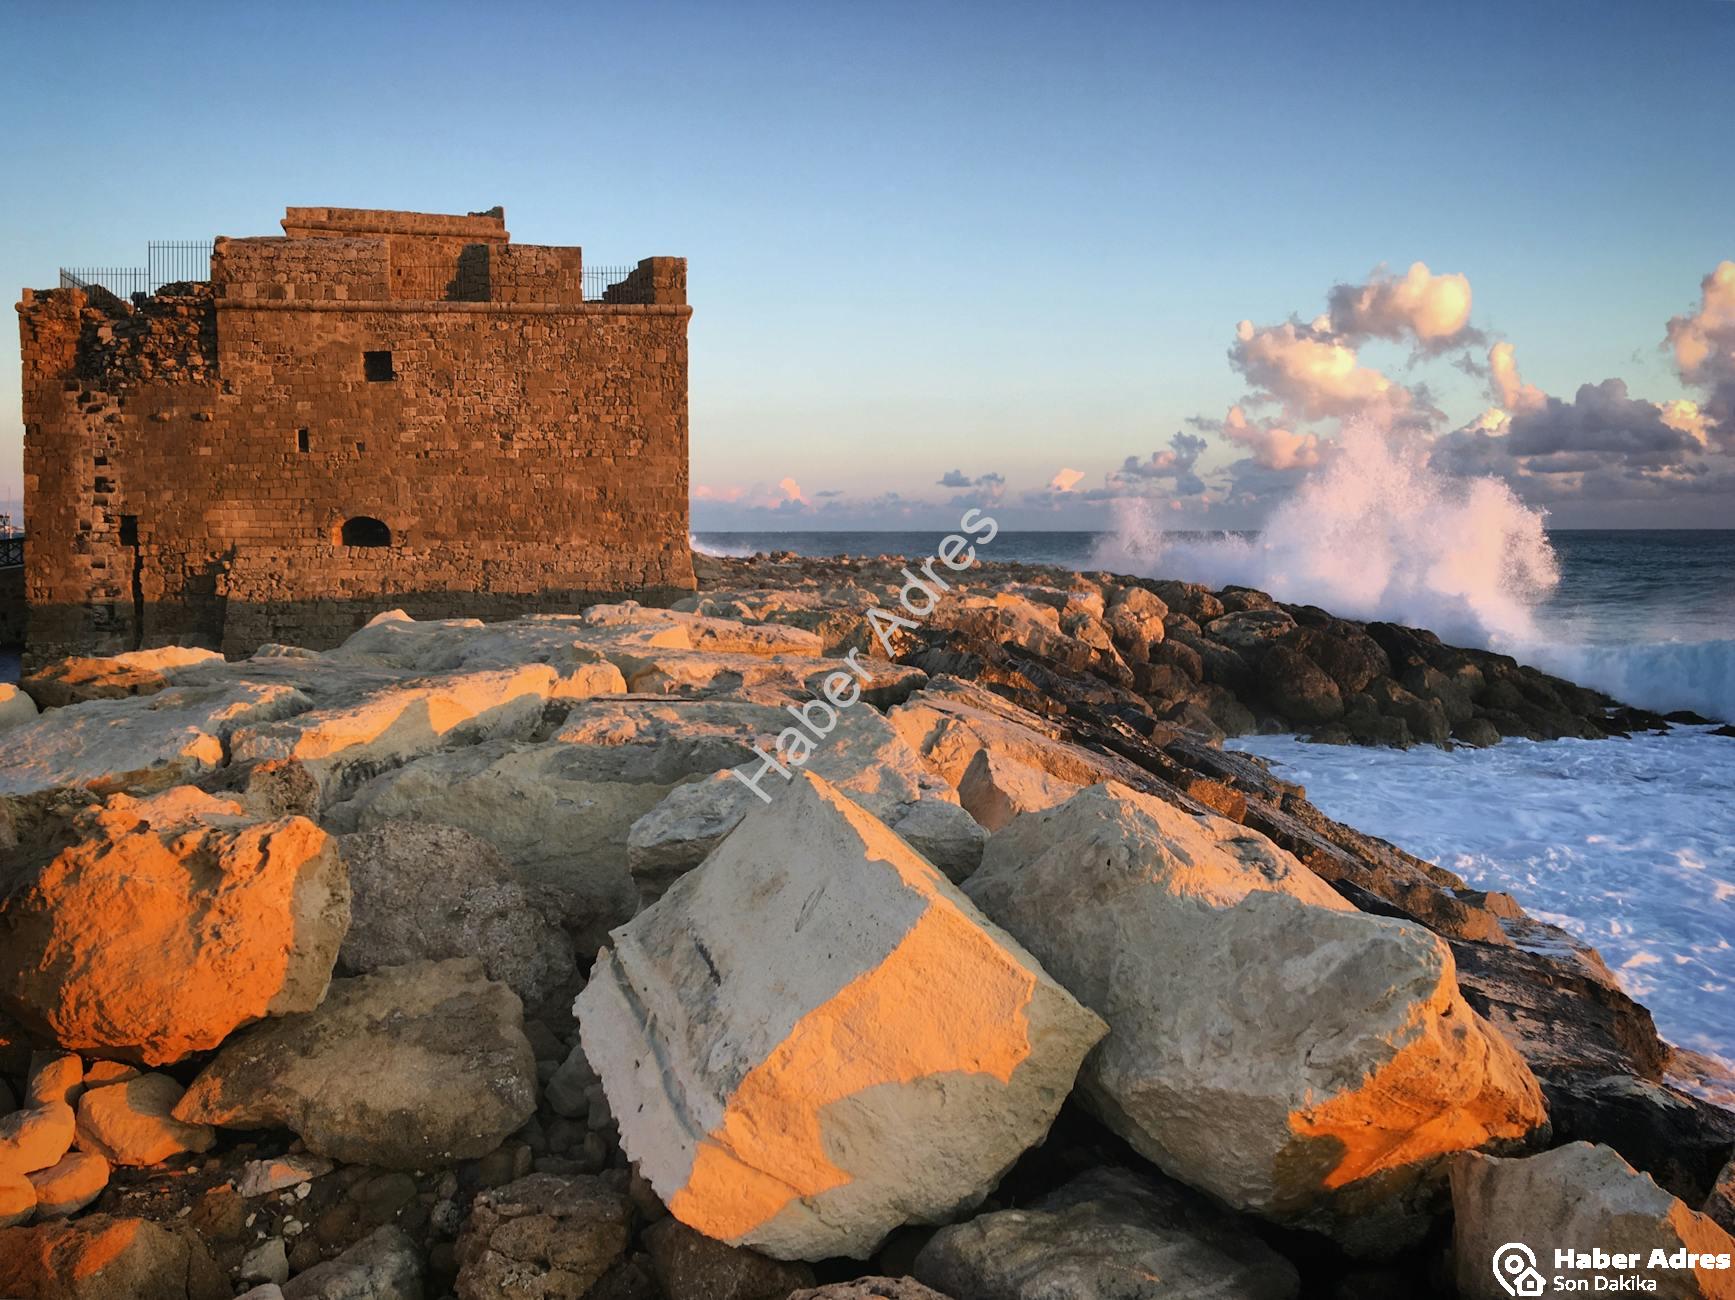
(167, 261)
(12, 552)
(598, 280)
(171, 261)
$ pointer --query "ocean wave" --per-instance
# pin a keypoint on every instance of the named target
(1377, 533)
(1668, 675)
(719, 549)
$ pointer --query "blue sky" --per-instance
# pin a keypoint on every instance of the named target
(1004, 240)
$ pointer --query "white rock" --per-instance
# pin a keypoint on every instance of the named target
(996, 788)
(341, 744)
(1270, 1044)
(260, 1177)
(70, 1184)
(35, 1138)
(15, 706)
(1579, 1197)
(814, 1038)
(141, 743)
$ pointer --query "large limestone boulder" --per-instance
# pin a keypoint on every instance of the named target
(106, 1257)
(1107, 1233)
(814, 1038)
(949, 722)
(1582, 1198)
(995, 788)
(170, 922)
(423, 891)
(342, 744)
(114, 677)
(562, 811)
(142, 743)
(409, 1067)
(1269, 1043)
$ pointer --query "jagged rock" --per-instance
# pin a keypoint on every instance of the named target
(1269, 1043)
(871, 1288)
(342, 744)
(70, 1185)
(133, 1123)
(570, 1083)
(996, 788)
(384, 1265)
(690, 1266)
(949, 722)
(1578, 1197)
(138, 672)
(541, 1238)
(35, 1138)
(724, 1069)
(15, 706)
(266, 1262)
(105, 1257)
(1719, 1206)
(1597, 1054)
(140, 744)
(260, 1177)
(1250, 629)
(1109, 1232)
(423, 891)
(944, 834)
(1296, 687)
(408, 1067)
(170, 922)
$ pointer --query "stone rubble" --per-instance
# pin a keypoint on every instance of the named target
(841, 1044)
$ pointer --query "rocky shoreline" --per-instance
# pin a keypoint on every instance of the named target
(389, 971)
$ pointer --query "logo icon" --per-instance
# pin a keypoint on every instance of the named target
(1515, 1269)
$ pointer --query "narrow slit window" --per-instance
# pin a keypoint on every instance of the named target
(377, 366)
(303, 443)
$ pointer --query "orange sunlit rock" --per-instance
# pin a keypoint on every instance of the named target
(827, 1038)
(170, 922)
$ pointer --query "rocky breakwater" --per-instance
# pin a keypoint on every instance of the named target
(467, 960)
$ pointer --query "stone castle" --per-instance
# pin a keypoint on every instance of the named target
(375, 409)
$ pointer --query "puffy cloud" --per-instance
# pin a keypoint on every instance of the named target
(1507, 385)
(1704, 348)
(1601, 422)
(1174, 465)
(955, 478)
(1065, 480)
(1314, 374)
(1433, 310)
(1272, 446)
(790, 488)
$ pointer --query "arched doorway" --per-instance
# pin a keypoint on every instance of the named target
(364, 530)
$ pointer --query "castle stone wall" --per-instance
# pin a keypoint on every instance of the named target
(190, 464)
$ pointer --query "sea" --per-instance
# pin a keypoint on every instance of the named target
(1628, 844)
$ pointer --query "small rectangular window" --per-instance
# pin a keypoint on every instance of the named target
(303, 443)
(377, 366)
(129, 530)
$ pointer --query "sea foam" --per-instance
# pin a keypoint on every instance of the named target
(1378, 533)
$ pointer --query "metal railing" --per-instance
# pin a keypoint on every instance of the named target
(12, 551)
(167, 261)
(598, 280)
